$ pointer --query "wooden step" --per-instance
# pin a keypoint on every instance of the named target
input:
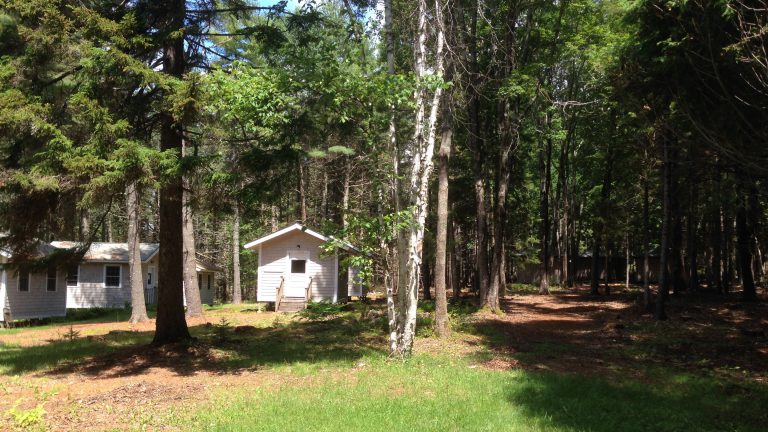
(292, 305)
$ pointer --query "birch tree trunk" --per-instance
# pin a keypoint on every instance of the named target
(191, 287)
(423, 151)
(138, 305)
(237, 293)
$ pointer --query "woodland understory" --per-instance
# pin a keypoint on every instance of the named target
(462, 145)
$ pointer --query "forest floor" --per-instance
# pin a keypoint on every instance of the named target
(567, 361)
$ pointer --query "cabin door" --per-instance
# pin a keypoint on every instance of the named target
(150, 295)
(297, 276)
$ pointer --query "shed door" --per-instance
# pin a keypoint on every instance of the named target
(297, 274)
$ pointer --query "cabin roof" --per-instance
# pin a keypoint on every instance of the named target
(297, 227)
(110, 252)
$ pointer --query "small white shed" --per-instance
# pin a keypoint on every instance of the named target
(293, 265)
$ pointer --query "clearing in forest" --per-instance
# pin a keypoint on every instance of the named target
(566, 361)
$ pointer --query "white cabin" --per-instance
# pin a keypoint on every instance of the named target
(28, 294)
(291, 262)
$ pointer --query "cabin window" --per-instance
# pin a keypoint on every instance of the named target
(209, 282)
(112, 276)
(50, 283)
(23, 281)
(149, 278)
(298, 266)
(72, 275)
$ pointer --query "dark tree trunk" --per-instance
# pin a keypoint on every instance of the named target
(171, 325)
(546, 184)
(663, 293)
(646, 248)
(693, 266)
(744, 250)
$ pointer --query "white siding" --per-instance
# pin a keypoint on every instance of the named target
(206, 289)
(38, 302)
(91, 292)
(273, 264)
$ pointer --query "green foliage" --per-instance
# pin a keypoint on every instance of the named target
(25, 419)
(316, 311)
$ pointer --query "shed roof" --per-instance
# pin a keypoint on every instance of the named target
(296, 227)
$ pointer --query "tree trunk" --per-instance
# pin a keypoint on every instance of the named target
(693, 270)
(191, 284)
(646, 248)
(135, 273)
(545, 187)
(477, 148)
(171, 325)
(441, 246)
(744, 250)
(424, 146)
(661, 298)
(392, 287)
(237, 293)
(85, 226)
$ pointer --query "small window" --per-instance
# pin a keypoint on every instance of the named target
(298, 266)
(209, 282)
(50, 284)
(24, 281)
(73, 274)
(112, 276)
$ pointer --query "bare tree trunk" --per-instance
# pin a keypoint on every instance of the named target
(693, 271)
(478, 151)
(237, 293)
(135, 273)
(171, 325)
(302, 214)
(646, 248)
(345, 197)
(545, 188)
(85, 226)
(424, 146)
(744, 249)
(441, 246)
(191, 284)
(392, 288)
(663, 293)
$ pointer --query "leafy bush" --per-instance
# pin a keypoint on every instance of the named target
(316, 311)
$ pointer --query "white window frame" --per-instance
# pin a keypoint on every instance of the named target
(66, 279)
(29, 281)
(120, 277)
(55, 279)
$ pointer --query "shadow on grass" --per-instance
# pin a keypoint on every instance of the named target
(217, 348)
(681, 403)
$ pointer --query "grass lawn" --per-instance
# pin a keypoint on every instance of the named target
(554, 363)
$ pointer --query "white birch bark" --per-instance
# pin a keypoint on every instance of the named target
(423, 152)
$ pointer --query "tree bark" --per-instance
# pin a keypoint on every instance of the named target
(441, 246)
(663, 293)
(423, 151)
(545, 188)
(647, 301)
(191, 284)
(237, 293)
(171, 325)
(135, 273)
(744, 250)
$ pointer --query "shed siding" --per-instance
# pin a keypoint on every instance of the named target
(206, 290)
(274, 264)
(38, 302)
(90, 290)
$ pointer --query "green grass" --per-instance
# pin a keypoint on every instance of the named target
(432, 393)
